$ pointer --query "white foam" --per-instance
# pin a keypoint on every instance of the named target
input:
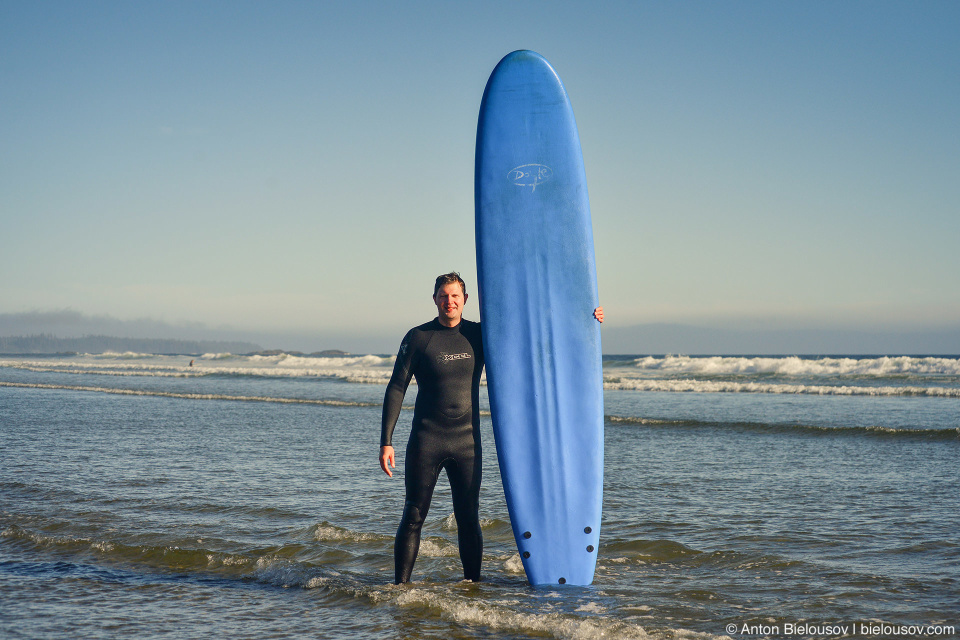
(721, 386)
(125, 371)
(126, 355)
(365, 369)
(438, 548)
(514, 564)
(280, 571)
(501, 615)
(326, 532)
(226, 560)
(902, 375)
(218, 356)
(502, 618)
(794, 366)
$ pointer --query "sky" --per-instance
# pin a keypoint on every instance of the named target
(304, 170)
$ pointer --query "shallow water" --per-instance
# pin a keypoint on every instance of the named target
(139, 495)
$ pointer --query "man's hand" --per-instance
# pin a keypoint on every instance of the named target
(387, 460)
(598, 314)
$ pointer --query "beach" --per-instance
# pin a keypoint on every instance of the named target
(241, 496)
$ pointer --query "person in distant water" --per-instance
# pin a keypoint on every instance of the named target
(446, 357)
(191, 363)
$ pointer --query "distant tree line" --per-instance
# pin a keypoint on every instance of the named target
(48, 343)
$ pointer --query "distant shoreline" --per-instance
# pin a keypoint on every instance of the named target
(52, 345)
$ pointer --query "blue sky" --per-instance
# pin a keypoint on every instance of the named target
(307, 167)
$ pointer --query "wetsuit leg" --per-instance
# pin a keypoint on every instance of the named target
(420, 478)
(464, 475)
(430, 449)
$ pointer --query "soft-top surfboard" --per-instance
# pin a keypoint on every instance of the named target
(538, 289)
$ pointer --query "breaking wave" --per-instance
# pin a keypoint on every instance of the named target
(365, 369)
(795, 366)
(835, 376)
(722, 386)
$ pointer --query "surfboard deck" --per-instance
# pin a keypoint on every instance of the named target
(538, 289)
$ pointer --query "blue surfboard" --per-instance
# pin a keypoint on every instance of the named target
(538, 289)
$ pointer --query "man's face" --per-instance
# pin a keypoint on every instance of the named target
(450, 299)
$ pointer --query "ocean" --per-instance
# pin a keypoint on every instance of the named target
(744, 497)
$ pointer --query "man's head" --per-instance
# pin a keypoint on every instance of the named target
(449, 278)
(450, 294)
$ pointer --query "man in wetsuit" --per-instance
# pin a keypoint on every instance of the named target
(446, 357)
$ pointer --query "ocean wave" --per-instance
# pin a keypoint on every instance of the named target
(721, 386)
(887, 376)
(298, 566)
(647, 551)
(503, 618)
(199, 396)
(488, 525)
(74, 366)
(667, 552)
(949, 433)
(327, 532)
(189, 396)
(178, 554)
(126, 355)
(610, 383)
(219, 356)
(499, 616)
(130, 371)
(369, 369)
(619, 552)
(795, 366)
(315, 362)
(430, 546)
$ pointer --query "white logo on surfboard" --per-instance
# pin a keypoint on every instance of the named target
(530, 175)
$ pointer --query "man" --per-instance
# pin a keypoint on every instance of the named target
(446, 357)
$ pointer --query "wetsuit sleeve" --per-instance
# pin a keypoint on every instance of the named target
(396, 389)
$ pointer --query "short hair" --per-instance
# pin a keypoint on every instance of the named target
(449, 278)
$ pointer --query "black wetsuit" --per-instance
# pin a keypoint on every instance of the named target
(447, 362)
